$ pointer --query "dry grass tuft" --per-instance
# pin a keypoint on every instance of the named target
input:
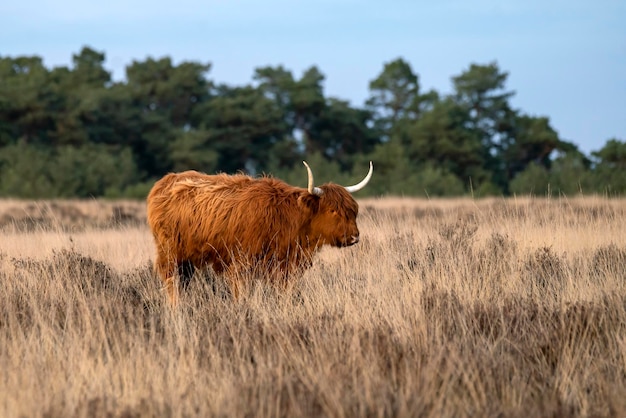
(487, 308)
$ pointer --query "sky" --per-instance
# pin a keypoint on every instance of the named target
(566, 59)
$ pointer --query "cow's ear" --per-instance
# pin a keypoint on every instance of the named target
(309, 202)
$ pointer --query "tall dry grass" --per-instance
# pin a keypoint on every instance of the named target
(511, 308)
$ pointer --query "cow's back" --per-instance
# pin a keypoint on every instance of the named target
(214, 218)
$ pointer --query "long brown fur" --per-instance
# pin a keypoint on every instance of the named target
(236, 223)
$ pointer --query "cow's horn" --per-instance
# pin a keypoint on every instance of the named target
(363, 183)
(312, 189)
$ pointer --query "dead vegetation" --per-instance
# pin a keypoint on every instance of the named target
(511, 308)
(74, 215)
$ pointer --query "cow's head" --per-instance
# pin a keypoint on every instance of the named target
(333, 211)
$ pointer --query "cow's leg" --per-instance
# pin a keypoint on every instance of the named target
(217, 276)
(167, 269)
(186, 270)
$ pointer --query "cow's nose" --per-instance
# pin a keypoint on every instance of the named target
(354, 239)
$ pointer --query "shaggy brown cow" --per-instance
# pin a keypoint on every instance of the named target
(237, 223)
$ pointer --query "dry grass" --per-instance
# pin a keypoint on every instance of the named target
(511, 308)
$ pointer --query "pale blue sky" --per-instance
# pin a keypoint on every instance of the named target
(566, 59)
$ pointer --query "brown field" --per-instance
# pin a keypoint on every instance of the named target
(447, 308)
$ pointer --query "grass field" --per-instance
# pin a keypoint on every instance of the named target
(446, 308)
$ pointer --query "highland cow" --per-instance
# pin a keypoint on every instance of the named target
(238, 224)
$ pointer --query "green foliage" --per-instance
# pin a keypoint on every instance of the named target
(137, 191)
(440, 137)
(534, 179)
(612, 155)
(90, 170)
(341, 132)
(324, 171)
(27, 101)
(392, 171)
(241, 126)
(395, 98)
(190, 151)
(609, 181)
(99, 168)
(396, 174)
(535, 140)
(609, 175)
(73, 132)
(300, 101)
(25, 172)
(88, 68)
(394, 94)
(568, 176)
(436, 181)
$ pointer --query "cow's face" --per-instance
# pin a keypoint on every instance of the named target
(333, 217)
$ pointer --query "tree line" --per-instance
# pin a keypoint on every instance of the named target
(73, 132)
